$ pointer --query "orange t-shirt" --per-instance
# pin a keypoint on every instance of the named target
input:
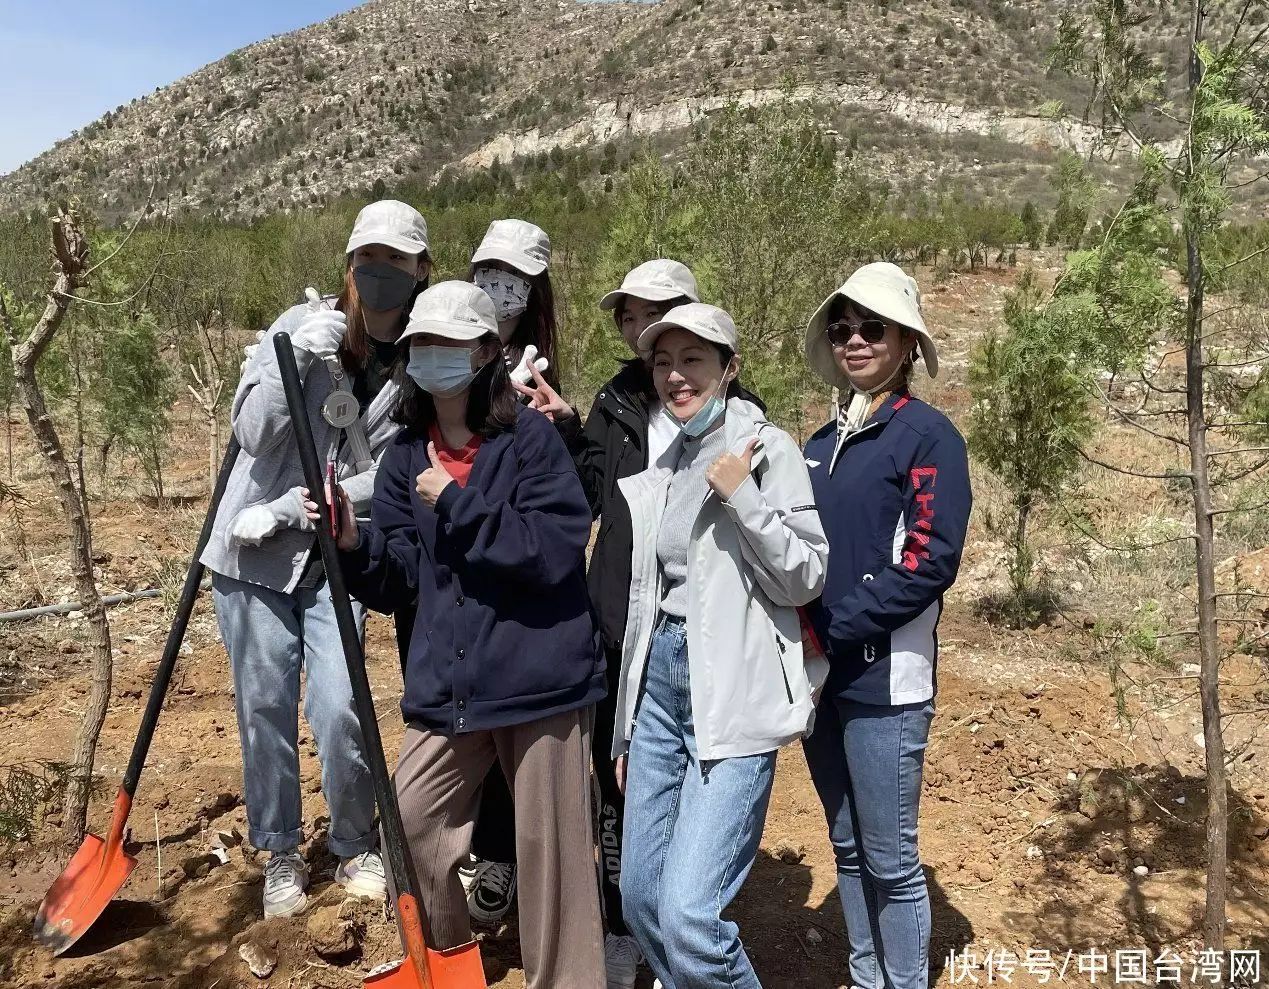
(457, 462)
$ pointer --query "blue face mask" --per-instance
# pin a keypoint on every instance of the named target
(443, 371)
(709, 413)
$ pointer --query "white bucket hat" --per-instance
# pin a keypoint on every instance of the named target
(454, 310)
(882, 288)
(520, 244)
(655, 281)
(390, 222)
(707, 322)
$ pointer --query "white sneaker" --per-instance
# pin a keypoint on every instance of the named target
(469, 872)
(494, 892)
(621, 960)
(362, 875)
(285, 880)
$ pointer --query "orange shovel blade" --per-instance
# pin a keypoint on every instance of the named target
(79, 895)
(454, 968)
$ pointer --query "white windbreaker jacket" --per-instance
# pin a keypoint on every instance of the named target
(752, 562)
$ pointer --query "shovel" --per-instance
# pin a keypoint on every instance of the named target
(100, 867)
(422, 967)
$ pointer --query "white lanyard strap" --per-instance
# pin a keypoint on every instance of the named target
(342, 410)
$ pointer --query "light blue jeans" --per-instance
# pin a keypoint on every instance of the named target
(269, 635)
(866, 761)
(691, 833)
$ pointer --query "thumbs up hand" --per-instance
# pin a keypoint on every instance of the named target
(434, 480)
(726, 474)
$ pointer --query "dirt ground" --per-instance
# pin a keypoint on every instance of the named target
(1053, 819)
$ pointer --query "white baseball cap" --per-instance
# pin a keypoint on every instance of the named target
(455, 310)
(519, 243)
(707, 322)
(882, 288)
(390, 222)
(656, 281)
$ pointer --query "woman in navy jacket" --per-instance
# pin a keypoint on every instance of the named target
(891, 479)
(478, 511)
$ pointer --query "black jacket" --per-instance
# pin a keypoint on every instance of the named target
(614, 444)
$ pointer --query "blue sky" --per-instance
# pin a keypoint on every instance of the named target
(66, 62)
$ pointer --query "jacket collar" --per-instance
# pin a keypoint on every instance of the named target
(627, 391)
(876, 421)
(742, 423)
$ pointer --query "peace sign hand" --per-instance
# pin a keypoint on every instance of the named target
(544, 398)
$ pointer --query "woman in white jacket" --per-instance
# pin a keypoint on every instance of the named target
(727, 545)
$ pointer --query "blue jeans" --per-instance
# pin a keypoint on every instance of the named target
(866, 762)
(691, 833)
(269, 635)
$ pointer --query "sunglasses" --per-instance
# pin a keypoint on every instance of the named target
(840, 332)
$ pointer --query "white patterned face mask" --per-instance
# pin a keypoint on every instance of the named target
(510, 293)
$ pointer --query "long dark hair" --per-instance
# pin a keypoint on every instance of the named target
(640, 370)
(537, 324)
(492, 404)
(355, 347)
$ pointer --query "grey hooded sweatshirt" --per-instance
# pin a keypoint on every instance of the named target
(269, 465)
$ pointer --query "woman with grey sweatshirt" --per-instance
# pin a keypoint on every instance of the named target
(272, 601)
(727, 545)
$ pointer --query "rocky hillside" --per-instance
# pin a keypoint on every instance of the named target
(401, 88)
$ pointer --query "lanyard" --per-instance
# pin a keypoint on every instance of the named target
(342, 411)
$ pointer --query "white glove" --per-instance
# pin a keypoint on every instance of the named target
(254, 525)
(522, 375)
(322, 330)
(320, 333)
(289, 510)
(249, 351)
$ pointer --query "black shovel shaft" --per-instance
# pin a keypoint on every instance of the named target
(354, 654)
(180, 623)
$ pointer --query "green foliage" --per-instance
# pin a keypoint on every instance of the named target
(25, 789)
(1077, 195)
(133, 393)
(1032, 225)
(1030, 416)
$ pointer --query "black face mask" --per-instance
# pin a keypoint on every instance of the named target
(383, 286)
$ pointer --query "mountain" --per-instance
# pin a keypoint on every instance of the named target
(404, 88)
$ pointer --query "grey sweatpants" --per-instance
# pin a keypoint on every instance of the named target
(547, 763)
(269, 635)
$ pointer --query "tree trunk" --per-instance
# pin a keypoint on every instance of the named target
(213, 460)
(1209, 644)
(71, 252)
(1020, 566)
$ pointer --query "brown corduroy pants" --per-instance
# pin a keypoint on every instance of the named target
(547, 763)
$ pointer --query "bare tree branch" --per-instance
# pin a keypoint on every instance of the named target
(1231, 511)
(1124, 549)
(1239, 452)
(1234, 264)
(145, 211)
(1132, 473)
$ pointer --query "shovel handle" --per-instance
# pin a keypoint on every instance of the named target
(354, 654)
(412, 937)
(176, 636)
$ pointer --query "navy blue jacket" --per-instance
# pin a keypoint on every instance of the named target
(504, 632)
(895, 502)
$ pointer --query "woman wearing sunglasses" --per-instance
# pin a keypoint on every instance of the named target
(891, 480)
